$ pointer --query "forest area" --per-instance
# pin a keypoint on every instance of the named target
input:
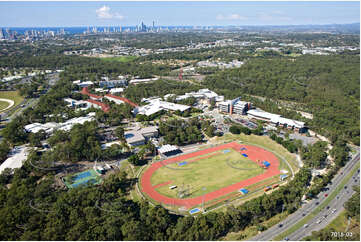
(327, 86)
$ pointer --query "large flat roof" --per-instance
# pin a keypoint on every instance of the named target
(157, 105)
(262, 114)
(167, 148)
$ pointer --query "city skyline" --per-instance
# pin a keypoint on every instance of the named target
(81, 14)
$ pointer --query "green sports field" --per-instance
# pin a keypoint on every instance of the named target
(12, 95)
(212, 171)
(3, 105)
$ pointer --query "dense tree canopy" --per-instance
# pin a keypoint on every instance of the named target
(327, 86)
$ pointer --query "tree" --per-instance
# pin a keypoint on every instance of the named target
(352, 206)
(4, 150)
(14, 132)
(36, 138)
(119, 132)
(134, 159)
(210, 131)
(245, 130)
(234, 129)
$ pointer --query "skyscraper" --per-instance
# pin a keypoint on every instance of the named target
(143, 27)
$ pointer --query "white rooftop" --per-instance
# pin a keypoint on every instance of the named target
(167, 148)
(133, 137)
(289, 122)
(157, 105)
(115, 90)
(202, 93)
(262, 114)
(149, 129)
(51, 126)
(86, 83)
(275, 118)
(142, 80)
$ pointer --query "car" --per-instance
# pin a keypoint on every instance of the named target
(317, 203)
(303, 214)
(305, 226)
(318, 221)
(345, 187)
(337, 197)
(280, 225)
(326, 195)
(333, 210)
(327, 207)
(287, 239)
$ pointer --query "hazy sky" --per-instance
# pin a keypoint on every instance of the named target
(67, 14)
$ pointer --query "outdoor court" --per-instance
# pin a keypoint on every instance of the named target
(207, 174)
(82, 178)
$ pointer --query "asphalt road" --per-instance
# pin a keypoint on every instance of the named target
(327, 215)
(307, 208)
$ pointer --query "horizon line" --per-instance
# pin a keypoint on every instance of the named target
(257, 25)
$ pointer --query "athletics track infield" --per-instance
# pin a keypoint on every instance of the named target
(254, 154)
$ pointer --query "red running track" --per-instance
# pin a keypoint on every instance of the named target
(162, 184)
(254, 153)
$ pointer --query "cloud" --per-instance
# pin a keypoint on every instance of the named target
(231, 17)
(104, 13)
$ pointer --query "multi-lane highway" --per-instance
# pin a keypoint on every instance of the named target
(336, 203)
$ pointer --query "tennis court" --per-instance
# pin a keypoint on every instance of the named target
(82, 178)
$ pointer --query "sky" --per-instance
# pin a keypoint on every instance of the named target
(99, 13)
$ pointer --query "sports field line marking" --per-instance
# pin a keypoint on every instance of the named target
(190, 202)
(11, 103)
(162, 184)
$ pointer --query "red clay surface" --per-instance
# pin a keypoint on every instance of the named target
(254, 153)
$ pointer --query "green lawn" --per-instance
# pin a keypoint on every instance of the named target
(210, 172)
(3, 105)
(120, 58)
(12, 95)
(266, 143)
